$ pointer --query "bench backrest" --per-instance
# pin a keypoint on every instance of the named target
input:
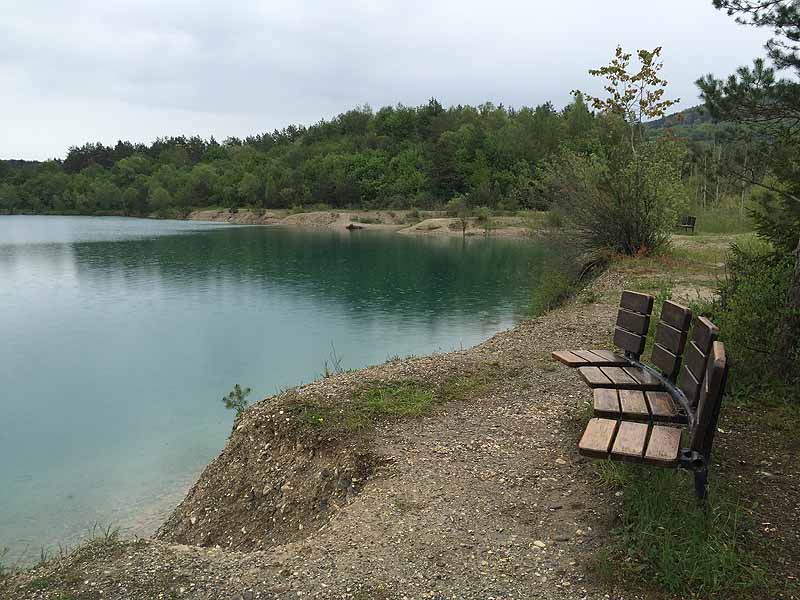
(671, 333)
(704, 334)
(633, 321)
(713, 387)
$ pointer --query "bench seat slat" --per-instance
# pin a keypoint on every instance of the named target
(630, 441)
(663, 447)
(569, 358)
(594, 377)
(597, 438)
(619, 377)
(611, 359)
(662, 406)
(632, 405)
(606, 403)
(645, 380)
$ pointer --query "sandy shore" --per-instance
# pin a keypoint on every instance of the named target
(400, 221)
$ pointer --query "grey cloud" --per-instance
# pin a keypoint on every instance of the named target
(75, 72)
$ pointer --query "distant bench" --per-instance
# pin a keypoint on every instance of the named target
(665, 415)
(687, 223)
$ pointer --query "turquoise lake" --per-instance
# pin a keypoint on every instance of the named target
(119, 337)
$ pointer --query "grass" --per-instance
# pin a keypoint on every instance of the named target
(377, 402)
(665, 539)
(367, 406)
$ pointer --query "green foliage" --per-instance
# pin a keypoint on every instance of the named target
(236, 399)
(666, 539)
(619, 200)
(551, 292)
(398, 157)
(553, 220)
(751, 308)
(563, 280)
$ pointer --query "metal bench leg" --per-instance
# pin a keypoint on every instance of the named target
(701, 485)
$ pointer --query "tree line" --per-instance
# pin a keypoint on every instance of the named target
(396, 157)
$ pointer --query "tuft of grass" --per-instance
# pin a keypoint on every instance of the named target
(665, 539)
(39, 583)
(369, 405)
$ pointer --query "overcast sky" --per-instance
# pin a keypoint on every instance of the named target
(72, 72)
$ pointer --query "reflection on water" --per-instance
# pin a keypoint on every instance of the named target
(119, 337)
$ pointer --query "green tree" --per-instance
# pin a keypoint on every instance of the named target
(769, 106)
(236, 399)
(625, 193)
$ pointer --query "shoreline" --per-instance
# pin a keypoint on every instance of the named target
(394, 221)
(525, 224)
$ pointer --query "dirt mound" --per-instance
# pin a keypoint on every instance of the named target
(275, 482)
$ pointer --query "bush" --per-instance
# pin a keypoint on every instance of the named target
(236, 399)
(751, 306)
(457, 206)
(553, 220)
(619, 200)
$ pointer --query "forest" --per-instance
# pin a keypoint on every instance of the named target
(396, 157)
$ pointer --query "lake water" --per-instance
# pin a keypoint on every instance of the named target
(119, 337)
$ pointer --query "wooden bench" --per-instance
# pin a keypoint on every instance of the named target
(630, 334)
(687, 222)
(671, 332)
(664, 399)
(663, 445)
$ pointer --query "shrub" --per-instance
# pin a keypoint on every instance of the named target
(751, 306)
(457, 206)
(619, 200)
(553, 220)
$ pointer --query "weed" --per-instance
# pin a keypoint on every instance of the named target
(551, 292)
(336, 364)
(107, 535)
